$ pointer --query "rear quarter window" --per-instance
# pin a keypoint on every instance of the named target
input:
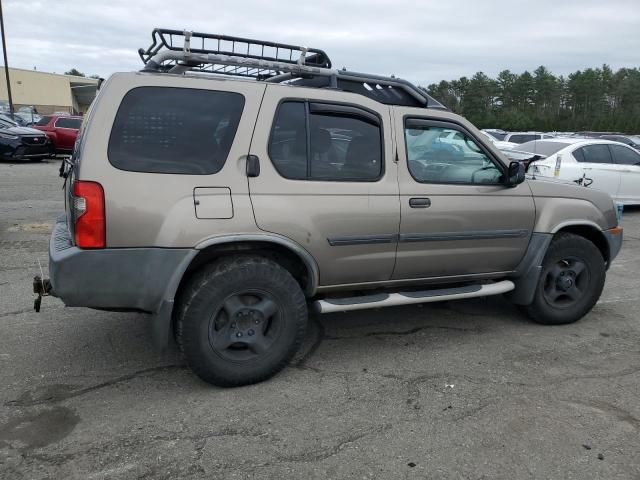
(174, 130)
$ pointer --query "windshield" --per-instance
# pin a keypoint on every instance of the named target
(542, 147)
(6, 123)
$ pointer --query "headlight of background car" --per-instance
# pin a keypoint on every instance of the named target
(8, 136)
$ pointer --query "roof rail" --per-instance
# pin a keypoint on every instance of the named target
(178, 51)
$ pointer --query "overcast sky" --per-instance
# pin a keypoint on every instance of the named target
(423, 41)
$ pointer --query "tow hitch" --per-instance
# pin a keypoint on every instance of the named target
(42, 288)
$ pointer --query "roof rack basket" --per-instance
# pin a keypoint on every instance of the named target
(178, 51)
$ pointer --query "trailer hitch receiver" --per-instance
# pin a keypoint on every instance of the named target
(42, 288)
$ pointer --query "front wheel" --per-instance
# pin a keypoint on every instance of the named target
(572, 279)
(241, 320)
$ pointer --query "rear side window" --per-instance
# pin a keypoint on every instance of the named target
(43, 121)
(68, 123)
(318, 141)
(625, 156)
(174, 130)
(593, 154)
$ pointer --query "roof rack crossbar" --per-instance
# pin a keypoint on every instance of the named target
(284, 63)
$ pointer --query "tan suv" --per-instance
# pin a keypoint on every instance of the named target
(229, 188)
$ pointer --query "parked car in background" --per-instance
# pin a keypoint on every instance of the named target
(22, 143)
(496, 133)
(13, 118)
(590, 134)
(632, 140)
(613, 167)
(499, 143)
(61, 130)
(522, 137)
(28, 114)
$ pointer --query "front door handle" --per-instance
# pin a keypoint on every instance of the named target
(419, 202)
(253, 166)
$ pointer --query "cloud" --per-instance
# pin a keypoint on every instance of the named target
(424, 41)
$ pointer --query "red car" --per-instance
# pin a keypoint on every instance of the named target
(61, 130)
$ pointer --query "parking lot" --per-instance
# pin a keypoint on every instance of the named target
(467, 389)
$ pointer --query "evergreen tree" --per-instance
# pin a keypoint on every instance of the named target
(591, 99)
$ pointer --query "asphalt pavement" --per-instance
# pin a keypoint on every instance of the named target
(456, 390)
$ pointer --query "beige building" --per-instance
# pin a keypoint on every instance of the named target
(48, 92)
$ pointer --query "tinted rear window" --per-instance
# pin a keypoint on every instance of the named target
(63, 122)
(174, 130)
(43, 121)
(522, 138)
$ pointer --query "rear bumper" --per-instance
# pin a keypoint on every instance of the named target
(143, 279)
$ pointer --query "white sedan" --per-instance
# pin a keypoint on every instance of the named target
(500, 144)
(612, 166)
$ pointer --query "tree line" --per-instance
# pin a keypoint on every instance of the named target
(593, 99)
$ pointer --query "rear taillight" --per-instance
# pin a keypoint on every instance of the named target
(88, 214)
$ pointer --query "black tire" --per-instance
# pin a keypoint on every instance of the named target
(572, 279)
(240, 320)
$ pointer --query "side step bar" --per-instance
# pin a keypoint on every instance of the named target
(377, 300)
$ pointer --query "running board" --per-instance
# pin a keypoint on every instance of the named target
(378, 300)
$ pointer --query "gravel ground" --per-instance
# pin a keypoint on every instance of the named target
(467, 389)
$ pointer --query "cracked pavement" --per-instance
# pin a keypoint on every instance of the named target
(459, 390)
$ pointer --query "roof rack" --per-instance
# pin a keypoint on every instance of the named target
(178, 51)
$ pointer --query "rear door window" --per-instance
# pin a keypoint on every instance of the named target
(624, 156)
(593, 154)
(174, 130)
(320, 141)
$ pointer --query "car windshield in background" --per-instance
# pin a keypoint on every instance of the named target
(43, 121)
(542, 147)
(6, 123)
(64, 122)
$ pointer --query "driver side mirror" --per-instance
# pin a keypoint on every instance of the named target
(515, 174)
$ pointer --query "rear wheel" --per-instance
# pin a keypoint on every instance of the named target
(572, 279)
(241, 320)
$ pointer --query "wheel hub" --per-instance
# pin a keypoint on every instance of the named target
(565, 281)
(245, 326)
(246, 320)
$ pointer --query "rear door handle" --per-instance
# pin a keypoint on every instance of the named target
(419, 202)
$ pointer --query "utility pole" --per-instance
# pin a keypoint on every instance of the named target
(6, 66)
